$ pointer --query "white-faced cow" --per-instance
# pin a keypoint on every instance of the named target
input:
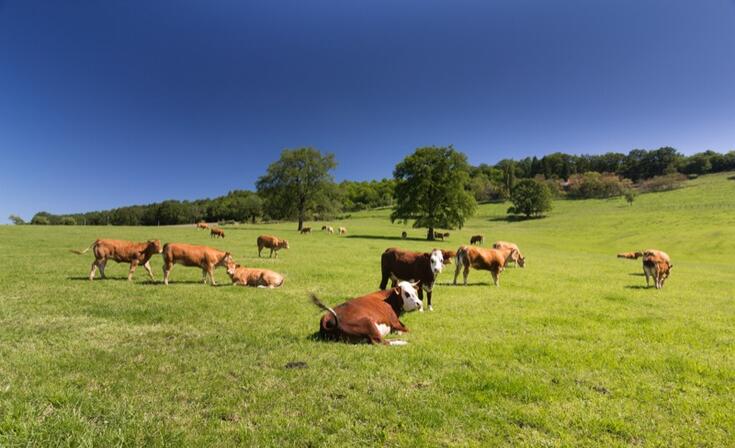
(204, 257)
(122, 252)
(371, 317)
(398, 264)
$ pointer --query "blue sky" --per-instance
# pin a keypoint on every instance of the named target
(104, 104)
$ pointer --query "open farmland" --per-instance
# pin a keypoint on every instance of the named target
(571, 350)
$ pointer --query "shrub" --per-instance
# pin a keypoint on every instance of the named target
(530, 198)
(40, 220)
(662, 183)
(17, 220)
(592, 185)
(67, 221)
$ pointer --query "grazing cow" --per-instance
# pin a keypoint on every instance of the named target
(202, 225)
(404, 235)
(398, 264)
(477, 239)
(517, 258)
(630, 255)
(216, 232)
(492, 260)
(328, 229)
(369, 317)
(260, 278)
(272, 243)
(343, 231)
(440, 235)
(448, 255)
(656, 264)
(305, 230)
(204, 257)
(122, 252)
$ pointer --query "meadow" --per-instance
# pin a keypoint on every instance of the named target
(573, 350)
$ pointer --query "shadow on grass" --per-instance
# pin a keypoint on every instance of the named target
(460, 285)
(382, 237)
(637, 274)
(514, 218)
(97, 279)
(638, 287)
(731, 178)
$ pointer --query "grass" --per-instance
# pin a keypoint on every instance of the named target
(571, 350)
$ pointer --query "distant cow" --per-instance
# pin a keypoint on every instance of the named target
(216, 232)
(328, 229)
(260, 278)
(516, 258)
(630, 255)
(440, 235)
(272, 243)
(477, 239)
(404, 235)
(202, 225)
(204, 257)
(122, 252)
(305, 230)
(369, 317)
(493, 260)
(398, 264)
(656, 264)
(343, 231)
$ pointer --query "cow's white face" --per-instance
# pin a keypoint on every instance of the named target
(436, 261)
(410, 297)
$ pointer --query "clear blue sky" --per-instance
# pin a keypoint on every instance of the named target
(111, 103)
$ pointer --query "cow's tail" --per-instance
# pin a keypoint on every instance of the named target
(80, 252)
(315, 300)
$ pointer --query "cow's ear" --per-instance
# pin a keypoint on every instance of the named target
(416, 285)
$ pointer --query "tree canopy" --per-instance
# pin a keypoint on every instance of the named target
(530, 198)
(432, 188)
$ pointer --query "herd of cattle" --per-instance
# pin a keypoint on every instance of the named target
(370, 317)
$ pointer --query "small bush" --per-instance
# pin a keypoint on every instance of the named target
(67, 221)
(592, 185)
(40, 220)
(662, 183)
(530, 198)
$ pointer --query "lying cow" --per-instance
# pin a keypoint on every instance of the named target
(517, 258)
(343, 231)
(398, 264)
(656, 264)
(260, 278)
(493, 260)
(122, 252)
(272, 243)
(305, 230)
(216, 232)
(204, 257)
(369, 317)
(477, 239)
(630, 255)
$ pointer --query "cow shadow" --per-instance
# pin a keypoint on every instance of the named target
(637, 274)
(389, 238)
(469, 284)
(638, 287)
(731, 178)
(97, 279)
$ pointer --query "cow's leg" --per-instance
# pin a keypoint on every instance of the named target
(271, 255)
(645, 272)
(495, 274)
(147, 266)
(133, 266)
(456, 271)
(211, 275)
(260, 249)
(428, 300)
(102, 263)
(93, 270)
(166, 271)
(204, 275)
(465, 273)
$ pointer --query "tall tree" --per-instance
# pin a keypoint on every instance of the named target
(297, 184)
(17, 220)
(432, 187)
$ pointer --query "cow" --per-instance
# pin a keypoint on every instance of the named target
(202, 225)
(630, 255)
(216, 232)
(477, 239)
(398, 264)
(204, 257)
(305, 230)
(440, 235)
(343, 231)
(370, 317)
(328, 229)
(656, 264)
(493, 260)
(404, 235)
(260, 278)
(517, 258)
(122, 252)
(272, 243)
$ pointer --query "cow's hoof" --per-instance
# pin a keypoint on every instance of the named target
(431, 308)
(421, 310)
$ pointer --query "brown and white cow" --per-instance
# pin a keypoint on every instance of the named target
(399, 264)
(260, 278)
(656, 264)
(305, 230)
(122, 252)
(216, 232)
(517, 258)
(343, 231)
(272, 243)
(328, 229)
(204, 257)
(477, 239)
(202, 225)
(370, 317)
(493, 260)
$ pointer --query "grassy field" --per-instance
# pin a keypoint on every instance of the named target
(571, 350)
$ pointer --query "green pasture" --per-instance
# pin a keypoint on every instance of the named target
(573, 350)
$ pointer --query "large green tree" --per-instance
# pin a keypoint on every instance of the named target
(530, 198)
(298, 184)
(432, 188)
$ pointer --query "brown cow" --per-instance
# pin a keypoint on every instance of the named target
(305, 230)
(440, 235)
(204, 257)
(369, 317)
(216, 232)
(630, 255)
(399, 264)
(122, 252)
(260, 278)
(202, 225)
(343, 231)
(517, 257)
(656, 264)
(492, 260)
(479, 239)
(272, 243)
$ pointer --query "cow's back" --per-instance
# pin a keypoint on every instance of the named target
(189, 254)
(405, 265)
(267, 241)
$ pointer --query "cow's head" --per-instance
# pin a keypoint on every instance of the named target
(436, 261)
(283, 244)
(226, 260)
(448, 255)
(155, 245)
(518, 258)
(410, 297)
(232, 267)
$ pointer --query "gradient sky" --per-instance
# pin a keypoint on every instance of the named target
(112, 103)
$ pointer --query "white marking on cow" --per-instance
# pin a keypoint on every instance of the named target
(436, 261)
(397, 342)
(383, 329)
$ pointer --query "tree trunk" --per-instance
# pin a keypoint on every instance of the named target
(430, 234)
(301, 223)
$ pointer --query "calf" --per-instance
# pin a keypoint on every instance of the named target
(493, 260)
(343, 231)
(216, 232)
(305, 230)
(398, 264)
(204, 257)
(656, 264)
(369, 317)
(122, 252)
(260, 278)
(477, 239)
(517, 258)
(272, 243)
